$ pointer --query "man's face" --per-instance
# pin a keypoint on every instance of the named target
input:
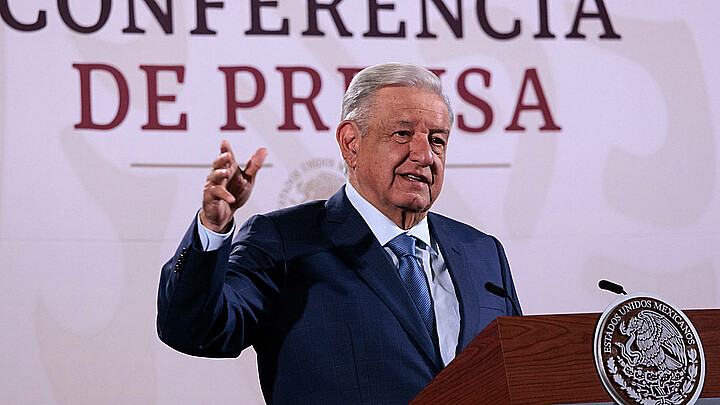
(401, 160)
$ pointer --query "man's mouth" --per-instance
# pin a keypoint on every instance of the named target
(414, 177)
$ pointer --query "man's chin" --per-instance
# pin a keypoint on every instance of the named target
(415, 204)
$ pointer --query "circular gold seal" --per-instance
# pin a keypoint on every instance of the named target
(647, 352)
(314, 179)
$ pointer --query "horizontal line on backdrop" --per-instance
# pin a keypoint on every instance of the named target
(180, 165)
(477, 165)
(207, 166)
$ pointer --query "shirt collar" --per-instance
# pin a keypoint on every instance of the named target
(381, 226)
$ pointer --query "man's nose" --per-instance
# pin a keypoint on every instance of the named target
(420, 150)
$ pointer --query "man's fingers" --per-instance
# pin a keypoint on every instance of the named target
(217, 176)
(225, 147)
(225, 160)
(255, 162)
(219, 192)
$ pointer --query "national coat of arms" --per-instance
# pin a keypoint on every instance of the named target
(647, 352)
(315, 179)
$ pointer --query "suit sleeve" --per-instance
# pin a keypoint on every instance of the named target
(507, 280)
(213, 304)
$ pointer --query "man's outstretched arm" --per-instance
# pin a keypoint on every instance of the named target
(200, 308)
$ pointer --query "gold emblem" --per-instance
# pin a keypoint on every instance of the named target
(315, 179)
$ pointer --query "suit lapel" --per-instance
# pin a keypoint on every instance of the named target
(361, 251)
(454, 255)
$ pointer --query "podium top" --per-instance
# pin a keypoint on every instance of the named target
(546, 359)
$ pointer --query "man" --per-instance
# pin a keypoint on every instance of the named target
(359, 299)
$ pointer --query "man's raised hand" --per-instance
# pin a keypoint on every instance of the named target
(228, 187)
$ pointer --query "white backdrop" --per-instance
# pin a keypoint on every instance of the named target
(627, 189)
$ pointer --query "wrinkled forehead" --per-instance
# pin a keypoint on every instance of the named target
(408, 104)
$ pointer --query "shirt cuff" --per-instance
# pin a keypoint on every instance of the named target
(210, 240)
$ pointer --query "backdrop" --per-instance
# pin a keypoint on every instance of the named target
(586, 139)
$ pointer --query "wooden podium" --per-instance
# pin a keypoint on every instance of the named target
(546, 359)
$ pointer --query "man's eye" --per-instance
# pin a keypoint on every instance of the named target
(436, 140)
(402, 136)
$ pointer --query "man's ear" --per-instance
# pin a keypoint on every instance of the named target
(348, 136)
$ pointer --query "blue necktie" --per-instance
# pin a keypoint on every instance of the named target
(413, 276)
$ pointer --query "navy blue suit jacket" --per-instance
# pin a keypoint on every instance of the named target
(312, 290)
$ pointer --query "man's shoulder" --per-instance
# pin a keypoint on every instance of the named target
(298, 212)
(298, 222)
(460, 230)
(335, 208)
(440, 220)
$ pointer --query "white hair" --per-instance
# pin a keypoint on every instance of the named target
(363, 87)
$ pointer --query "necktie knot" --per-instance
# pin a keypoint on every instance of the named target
(402, 245)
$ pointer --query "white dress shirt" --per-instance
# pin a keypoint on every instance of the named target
(442, 290)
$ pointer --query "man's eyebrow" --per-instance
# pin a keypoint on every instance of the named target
(444, 131)
(410, 124)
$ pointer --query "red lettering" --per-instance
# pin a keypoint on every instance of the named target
(438, 72)
(348, 74)
(290, 99)
(86, 118)
(232, 103)
(465, 94)
(154, 98)
(542, 105)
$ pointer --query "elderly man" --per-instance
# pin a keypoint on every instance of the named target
(359, 299)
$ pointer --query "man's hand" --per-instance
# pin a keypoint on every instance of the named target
(228, 187)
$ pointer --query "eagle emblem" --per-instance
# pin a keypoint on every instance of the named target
(659, 343)
(647, 352)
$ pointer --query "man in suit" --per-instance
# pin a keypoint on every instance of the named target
(359, 299)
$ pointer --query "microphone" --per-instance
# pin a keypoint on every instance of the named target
(502, 293)
(612, 287)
